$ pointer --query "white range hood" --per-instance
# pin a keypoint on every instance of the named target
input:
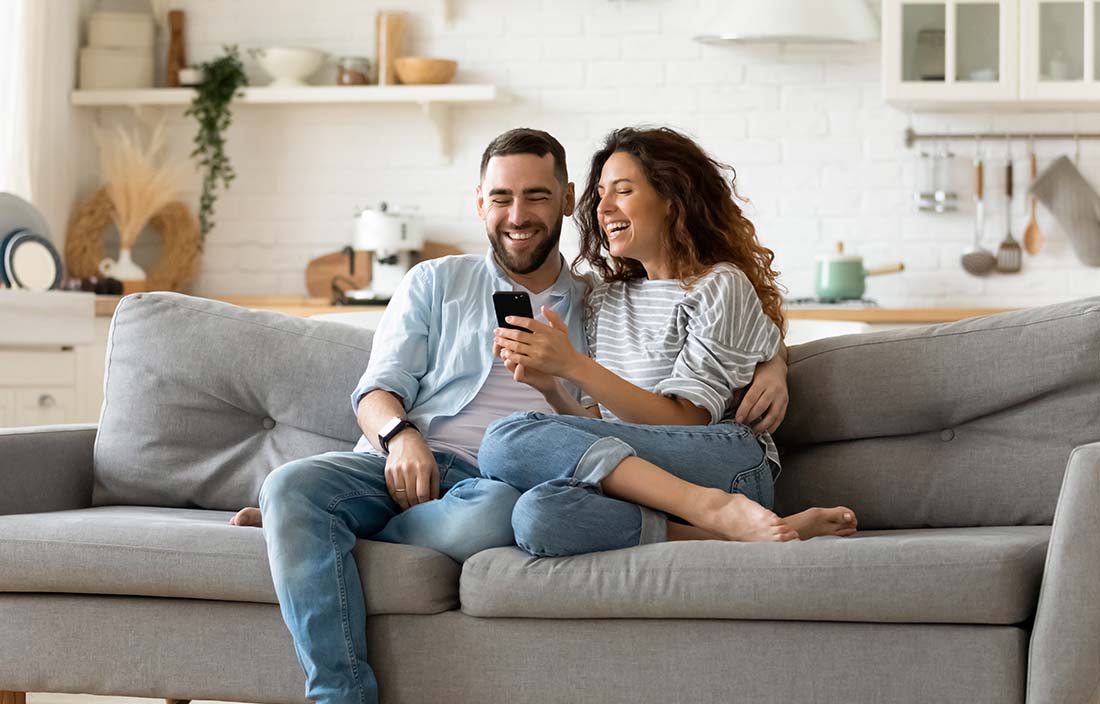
(801, 21)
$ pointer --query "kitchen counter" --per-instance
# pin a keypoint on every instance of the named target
(304, 307)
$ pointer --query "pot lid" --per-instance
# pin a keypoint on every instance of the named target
(840, 256)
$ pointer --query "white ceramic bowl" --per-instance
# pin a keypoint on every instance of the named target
(289, 66)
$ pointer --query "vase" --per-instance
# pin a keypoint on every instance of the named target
(125, 270)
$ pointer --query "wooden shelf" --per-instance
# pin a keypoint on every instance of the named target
(434, 101)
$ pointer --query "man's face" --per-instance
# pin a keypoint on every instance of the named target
(523, 205)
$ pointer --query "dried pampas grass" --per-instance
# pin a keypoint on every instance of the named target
(138, 186)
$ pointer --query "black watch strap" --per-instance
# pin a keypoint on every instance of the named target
(384, 440)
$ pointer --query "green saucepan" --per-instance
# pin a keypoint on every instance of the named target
(841, 276)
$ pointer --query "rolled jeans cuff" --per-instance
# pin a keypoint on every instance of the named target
(654, 527)
(600, 459)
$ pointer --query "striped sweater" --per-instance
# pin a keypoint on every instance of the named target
(701, 344)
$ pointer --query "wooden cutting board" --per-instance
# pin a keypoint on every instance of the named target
(321, 271)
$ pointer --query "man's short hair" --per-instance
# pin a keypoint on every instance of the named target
(524, 140)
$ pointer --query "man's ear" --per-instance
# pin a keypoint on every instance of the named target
(480, 203)
(570, 200)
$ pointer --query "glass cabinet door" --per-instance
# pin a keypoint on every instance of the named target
(958, 51)
(1059, 60)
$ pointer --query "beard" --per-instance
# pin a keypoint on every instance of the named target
(525, 264)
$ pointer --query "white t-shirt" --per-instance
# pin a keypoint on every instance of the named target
(499, 396)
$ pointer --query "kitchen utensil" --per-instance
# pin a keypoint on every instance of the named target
(1009, 255)
(935, 192)
(978, 260)
(842, 276)
(288, 66)
(176, 54)
(1074, 204)
(29, 261)
(390, 29)
(416, 70)
(1033, 236)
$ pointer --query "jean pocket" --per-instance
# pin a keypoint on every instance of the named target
(757, 484)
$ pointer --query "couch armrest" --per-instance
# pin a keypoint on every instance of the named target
(1065, 640)
(46, 468)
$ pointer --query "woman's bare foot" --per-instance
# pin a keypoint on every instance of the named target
(839, 520)
(737, 517)
(247, 517)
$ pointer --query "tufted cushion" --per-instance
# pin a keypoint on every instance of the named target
(963, 424)
(202, 399)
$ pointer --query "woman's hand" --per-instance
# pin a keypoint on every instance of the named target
(546, 349)
(540, 381)
(764, 404)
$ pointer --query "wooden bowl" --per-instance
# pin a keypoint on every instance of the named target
(421, 71)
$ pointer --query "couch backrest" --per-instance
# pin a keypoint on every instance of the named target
(961, 424)
(202, 399)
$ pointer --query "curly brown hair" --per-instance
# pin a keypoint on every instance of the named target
(706, 224)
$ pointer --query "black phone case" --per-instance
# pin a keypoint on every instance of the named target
(512, 303)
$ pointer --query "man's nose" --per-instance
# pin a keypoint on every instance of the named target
(517, 213)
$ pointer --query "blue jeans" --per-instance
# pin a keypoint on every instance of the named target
(314, 510)
(559, 462)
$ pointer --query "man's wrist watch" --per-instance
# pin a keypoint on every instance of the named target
(390, 430)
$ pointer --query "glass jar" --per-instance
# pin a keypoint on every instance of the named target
(352, 71)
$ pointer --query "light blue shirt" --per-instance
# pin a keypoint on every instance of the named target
(434, 346)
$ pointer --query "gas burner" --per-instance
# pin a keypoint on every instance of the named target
(808, 302)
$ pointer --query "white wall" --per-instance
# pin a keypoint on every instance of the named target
(816, 150)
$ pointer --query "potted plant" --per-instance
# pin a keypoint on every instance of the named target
(221, 79)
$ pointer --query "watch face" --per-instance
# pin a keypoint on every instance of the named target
(389, 426)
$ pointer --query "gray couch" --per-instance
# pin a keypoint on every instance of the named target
(969, 451)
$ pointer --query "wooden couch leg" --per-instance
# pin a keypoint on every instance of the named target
(13, 698)
(166, 701)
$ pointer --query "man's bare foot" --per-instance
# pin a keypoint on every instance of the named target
(247, 517)
(839, 520)
(737, 517)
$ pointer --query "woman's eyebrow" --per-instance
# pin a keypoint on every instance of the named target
(617, 181)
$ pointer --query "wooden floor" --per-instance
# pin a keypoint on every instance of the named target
(35, 698)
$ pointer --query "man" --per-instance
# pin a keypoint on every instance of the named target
(431, 387)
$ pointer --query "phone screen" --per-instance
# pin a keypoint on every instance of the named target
(512, 303)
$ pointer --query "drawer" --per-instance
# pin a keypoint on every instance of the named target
(45, 405)
(7, 408)
(47, 367)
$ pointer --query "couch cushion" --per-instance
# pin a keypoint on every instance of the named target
(949, 575)
(203, 399)
(963, 424)
(195, 554)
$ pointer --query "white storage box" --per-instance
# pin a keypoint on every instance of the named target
(115, 69)
(120, 30)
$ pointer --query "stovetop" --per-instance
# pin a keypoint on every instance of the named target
(812, 302)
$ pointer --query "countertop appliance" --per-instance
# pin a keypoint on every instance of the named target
(393, 238)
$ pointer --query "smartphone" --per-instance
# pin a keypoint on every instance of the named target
(512, 303)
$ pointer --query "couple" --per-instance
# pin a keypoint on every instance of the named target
(600, 429)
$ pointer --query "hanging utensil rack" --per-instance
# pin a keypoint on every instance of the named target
(912, 137)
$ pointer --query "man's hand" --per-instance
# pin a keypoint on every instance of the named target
(765, 400)
(412, 475)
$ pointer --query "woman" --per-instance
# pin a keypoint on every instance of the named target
(687, 308)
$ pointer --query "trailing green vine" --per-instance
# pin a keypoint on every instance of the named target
(221, 78)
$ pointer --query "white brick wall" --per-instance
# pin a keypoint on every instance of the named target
(816, 151)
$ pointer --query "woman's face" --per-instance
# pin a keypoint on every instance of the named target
(631, 212)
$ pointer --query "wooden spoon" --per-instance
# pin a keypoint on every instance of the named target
(1033, 236)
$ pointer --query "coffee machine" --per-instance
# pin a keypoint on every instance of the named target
(393, 238)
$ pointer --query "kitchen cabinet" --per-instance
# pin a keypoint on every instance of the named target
(1059, 60)
(978, 54)
(950, 50)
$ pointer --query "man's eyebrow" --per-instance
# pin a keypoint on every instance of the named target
(526, 191)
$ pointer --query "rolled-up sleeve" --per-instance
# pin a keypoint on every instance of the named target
(399, 354)
(728, 334)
